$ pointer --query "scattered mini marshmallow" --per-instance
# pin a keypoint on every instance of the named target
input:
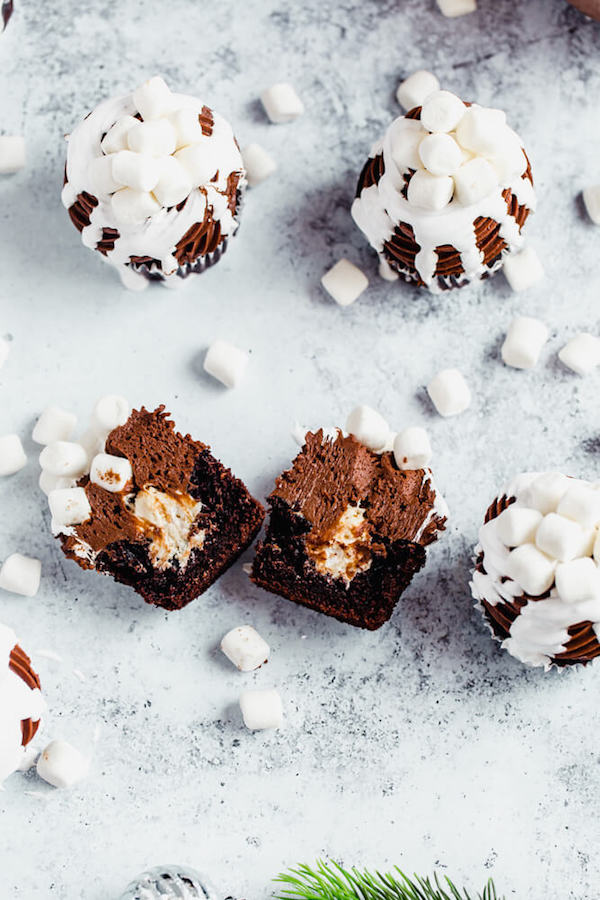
(62, 765)
(153, 99)
(581, 502)
(523, 269)
(386, 272)
(226, 362)
(69, 506)
(64, 458)
(21, 575)
(133, 207)
(48, 482)
(261, 709)
(245, 648)
(110, 412)
(416, 88)
(581, 354)
(578, 580)
(54, 424)
(440, 154)
(155, 138)
(258, 163)
(453, 8)
(174, 183)
(115, 138)
(442, 111)
(449, 392)
(12, 153)
(591, 200)
(369, 427)
(282, 103)
(345, 282)
(562, 538)
(4, 351)
(412, 448)
(474, 181)
(113, 473)
(12, 455)
(138, 171)
(524, 341)
(433, 192)
(531, 568)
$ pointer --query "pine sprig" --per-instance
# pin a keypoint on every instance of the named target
(329, 881)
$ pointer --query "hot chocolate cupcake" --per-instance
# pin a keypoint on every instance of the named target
(445, 193)
(153, 182)
(21, 703)
(536, 576)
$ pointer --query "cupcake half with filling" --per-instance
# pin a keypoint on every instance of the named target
(153, 182)
(445, 193)
(21, 703)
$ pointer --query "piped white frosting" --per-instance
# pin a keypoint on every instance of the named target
(17, 703)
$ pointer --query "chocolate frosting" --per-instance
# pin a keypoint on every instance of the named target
(20, 664)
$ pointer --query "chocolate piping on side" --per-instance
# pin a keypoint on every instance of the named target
(20, 664)
(7, 11)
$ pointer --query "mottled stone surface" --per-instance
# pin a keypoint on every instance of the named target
(421, 744)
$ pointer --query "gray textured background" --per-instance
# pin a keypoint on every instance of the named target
(421, 744)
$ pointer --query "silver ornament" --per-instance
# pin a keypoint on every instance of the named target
(170, 883)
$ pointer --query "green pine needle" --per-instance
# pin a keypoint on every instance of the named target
(329, 881)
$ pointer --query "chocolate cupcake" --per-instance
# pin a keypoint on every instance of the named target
(445, 193)
(21, 703)
(536, 577)
(153, 182)
(140, 502)
(6, 12)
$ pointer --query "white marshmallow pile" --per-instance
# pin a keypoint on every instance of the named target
(54, 424)
(449, 392)
(281, 102)
(591, 199)
(345, 282)
(454, 8)
(245, 648)
(581, 354)
(415, 89)
(548, 540)
(524, 341)
(261, 709)
(523, 269)
(21, 575)
(62, 765)
(258, 163)
(226, 362)
(12, 153)
(12, 454)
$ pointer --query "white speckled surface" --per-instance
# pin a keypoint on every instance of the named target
(421, 744)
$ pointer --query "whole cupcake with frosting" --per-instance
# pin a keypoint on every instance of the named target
(445, 193)
(537, 577)
(153, 182)
(21, 703)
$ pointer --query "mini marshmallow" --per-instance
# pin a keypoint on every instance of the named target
(453, 8)
(282, 103)
(261, 709)
(578, 580)
(133, 207)
(48, 482)
(64, 458)
(12, 455)
(531, 569)
(368, 427)
(482, 129)
(115, 138)
(110, 412)
(153, 99)
(440, 154)
(523, 269)
(546, 491)
(581, 354)
(174, 183)
(154, 138)
(345, 282)
(62, 765)
(113, 473)
(21, 575)
(4, 351)
(433, 192)
(591, 200)
(138, 171)
(54, 424)
(474, 181)
(100, 174)
(245, 648)
(199, 162)
(405, 139)
(386, 272)
(188, 129)
(582, 504)
(226, 363)
(69, 506)
(442, 111)
(518, 525)
(562, 538)
(416, 88)
(508, 158)
(449, 392)
(523, 343)
(412, 449)
(258, 164)
(12, 153)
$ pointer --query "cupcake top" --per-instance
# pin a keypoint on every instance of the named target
(151, 174)
(436, 175)
(21, 703)
(537, 575)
